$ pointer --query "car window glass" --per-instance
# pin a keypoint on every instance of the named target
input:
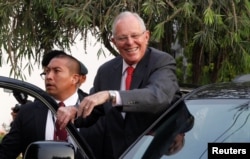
(217, 120)
(166, 138)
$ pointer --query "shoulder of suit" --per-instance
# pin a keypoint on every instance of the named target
(113, 63)
(158, 53)
(81, 94)
(154, 50)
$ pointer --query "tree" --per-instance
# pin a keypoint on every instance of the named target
(213, 34)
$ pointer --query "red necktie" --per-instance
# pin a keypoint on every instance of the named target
(130, 71)
(60, 134)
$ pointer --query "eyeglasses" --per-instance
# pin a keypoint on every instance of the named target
(42, 75)
(122, 39)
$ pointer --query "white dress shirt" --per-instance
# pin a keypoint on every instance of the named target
(123, 85)
(50, 124)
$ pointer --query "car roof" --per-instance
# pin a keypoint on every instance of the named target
(229, 90)
(242, 78)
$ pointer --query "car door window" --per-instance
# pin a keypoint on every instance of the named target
(165, 138)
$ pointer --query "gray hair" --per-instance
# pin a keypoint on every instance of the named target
(125, 14)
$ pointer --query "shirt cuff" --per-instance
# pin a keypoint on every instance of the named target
(118, 101)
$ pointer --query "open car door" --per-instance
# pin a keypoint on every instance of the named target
(44, 149)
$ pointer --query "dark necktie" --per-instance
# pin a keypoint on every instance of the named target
(60, 134)
(130, 71)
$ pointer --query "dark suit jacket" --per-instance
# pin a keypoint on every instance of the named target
(154, 86)
(29, 126)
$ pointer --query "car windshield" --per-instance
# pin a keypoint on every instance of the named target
(216, 121)
(166, 137)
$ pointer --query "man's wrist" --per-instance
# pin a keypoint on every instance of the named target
(73, 111)
(112, 97)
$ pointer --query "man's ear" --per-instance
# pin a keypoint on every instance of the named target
(113, 40)
(76, 79)
(147, 35)
(82, 79)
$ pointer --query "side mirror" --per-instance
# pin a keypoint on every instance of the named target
(50, 150)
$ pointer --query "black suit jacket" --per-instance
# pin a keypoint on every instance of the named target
(154, 87)
(29, 126)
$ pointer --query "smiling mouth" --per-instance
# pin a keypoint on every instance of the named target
(132, 50)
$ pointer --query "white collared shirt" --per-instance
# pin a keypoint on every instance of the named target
(49, 132)
(123, 85)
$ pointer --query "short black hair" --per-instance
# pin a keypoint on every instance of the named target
(50, 55)
(55, 53)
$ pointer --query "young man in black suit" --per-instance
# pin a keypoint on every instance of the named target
(34, 121)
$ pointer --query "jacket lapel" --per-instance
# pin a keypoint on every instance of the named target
(141, 71)
(41, 120)
(116, 72)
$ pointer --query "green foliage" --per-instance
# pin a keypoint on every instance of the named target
(215, 35)
(179, 70)
(209, 16)
(189, 73)
(183, 72)
(206, 73)
(158, 32)
(220, 42)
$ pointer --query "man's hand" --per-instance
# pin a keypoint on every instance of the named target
(66, 114)
(89, 102)
(13, 114)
